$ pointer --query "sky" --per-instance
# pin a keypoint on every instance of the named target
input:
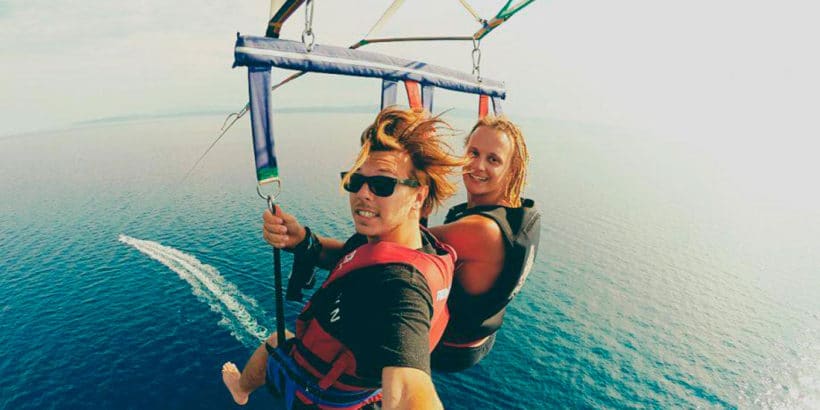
(724, 72)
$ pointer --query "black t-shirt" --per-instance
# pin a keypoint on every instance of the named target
(381, 313)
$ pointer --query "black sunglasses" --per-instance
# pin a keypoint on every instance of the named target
(379, 185)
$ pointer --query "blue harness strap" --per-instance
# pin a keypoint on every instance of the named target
(427, 96)
(261, 108)
(497, 106)
(389, 90)
(285, 377)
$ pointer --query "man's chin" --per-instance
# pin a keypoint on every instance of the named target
(364, 229)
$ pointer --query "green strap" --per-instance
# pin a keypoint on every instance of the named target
(506, 14)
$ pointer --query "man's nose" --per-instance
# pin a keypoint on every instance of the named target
(365, 192)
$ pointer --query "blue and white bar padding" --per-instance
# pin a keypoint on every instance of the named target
(254, 51)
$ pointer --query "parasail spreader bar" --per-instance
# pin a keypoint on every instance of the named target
(254, 51)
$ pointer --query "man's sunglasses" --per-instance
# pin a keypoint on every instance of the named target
(379, 185)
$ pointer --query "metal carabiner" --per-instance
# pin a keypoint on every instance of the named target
(477, 59)
(308, 39)
(271, 197)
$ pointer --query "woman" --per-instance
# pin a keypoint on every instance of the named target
(495, 234)
(371, 327)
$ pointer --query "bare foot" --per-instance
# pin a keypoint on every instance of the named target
(230, 376)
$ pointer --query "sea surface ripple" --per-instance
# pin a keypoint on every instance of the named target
(654, 286)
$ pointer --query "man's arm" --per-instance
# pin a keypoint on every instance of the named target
(404, 345)
(393, 343)
(331, 252)
(408, 388)
(284, 231)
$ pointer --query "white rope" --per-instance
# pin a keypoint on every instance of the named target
(275, 5)
(225, 127)
(386, 16)
(472, 11)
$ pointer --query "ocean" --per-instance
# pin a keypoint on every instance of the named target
(666, 276)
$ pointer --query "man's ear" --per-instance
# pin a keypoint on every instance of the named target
(421, 196)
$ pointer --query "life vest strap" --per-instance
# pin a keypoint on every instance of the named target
(339, 365)
(323, 368)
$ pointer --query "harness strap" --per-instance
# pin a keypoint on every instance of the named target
(497, 106)
(261, 108)
(483, 105)
(389, 89)
(413, 93)
(427, 97)
(283, 372)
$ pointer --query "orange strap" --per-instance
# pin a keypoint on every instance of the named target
(483, 106)
(413, 93)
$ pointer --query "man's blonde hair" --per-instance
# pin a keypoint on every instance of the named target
(520, 157)
(413, 131)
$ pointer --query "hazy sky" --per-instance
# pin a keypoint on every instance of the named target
(717, 71)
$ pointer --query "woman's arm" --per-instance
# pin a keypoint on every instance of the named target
(479, 246)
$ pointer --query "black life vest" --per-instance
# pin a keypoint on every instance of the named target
(332, 366)
(474, 317)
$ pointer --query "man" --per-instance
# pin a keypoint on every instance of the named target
(377, 317)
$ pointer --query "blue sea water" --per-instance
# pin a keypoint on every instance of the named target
(661, 281)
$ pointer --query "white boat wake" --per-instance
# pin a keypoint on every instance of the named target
(209, 287)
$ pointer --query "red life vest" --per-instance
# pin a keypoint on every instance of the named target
(330, 361)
